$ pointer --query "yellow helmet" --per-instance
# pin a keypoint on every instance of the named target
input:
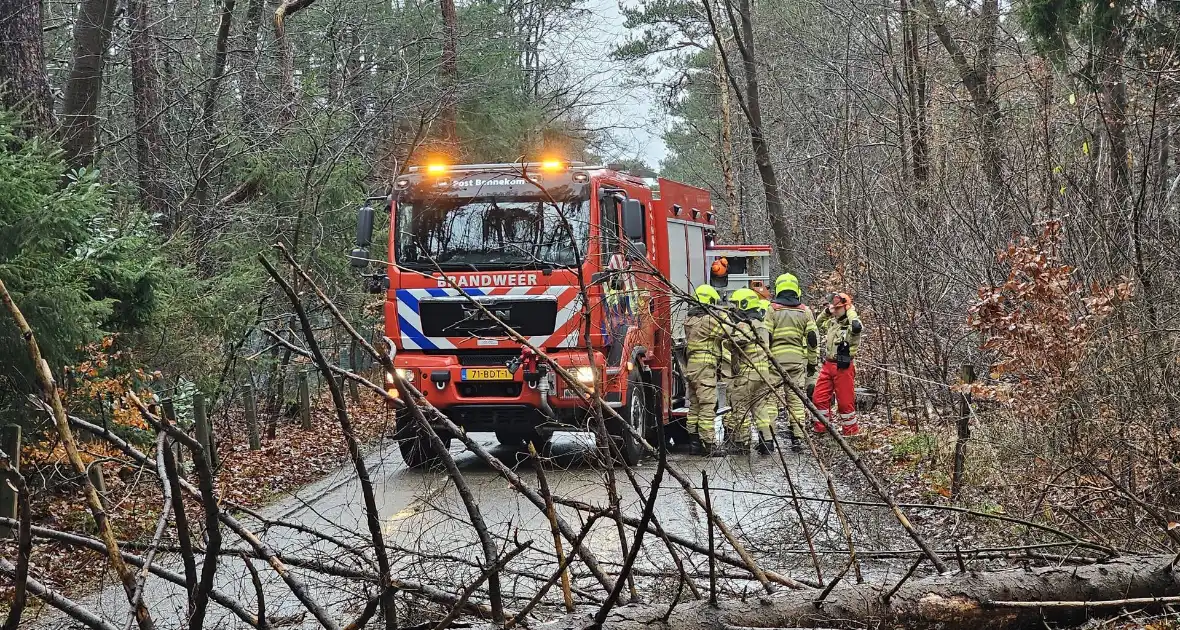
(745, 299)
(787, 282)
(707, 294)
(764, 306)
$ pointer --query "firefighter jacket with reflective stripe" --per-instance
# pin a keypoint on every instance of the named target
(704, 335)
(750, 337)
(794, 339)
(835, 331)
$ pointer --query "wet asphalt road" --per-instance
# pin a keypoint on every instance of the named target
(426, 526)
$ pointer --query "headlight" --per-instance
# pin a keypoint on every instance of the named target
(585, 375)
(406, 374)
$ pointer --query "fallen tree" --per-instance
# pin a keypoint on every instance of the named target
(1018, 598)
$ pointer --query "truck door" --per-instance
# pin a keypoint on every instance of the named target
(624, 302)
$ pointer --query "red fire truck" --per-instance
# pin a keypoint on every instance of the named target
(574, 258)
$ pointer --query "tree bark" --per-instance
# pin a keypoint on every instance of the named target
(751, 105)
(725, 154)
(449, 73)
(251, 78)
(200, 194)
(149, 143)
(79, 123)
(24, 84)
(949, 601)
(979, 80)
(915, 79)
(287, 56)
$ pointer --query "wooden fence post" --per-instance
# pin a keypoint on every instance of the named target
(205, 430)
(251, 417)
(94, 472)
(304, 402)
(169, 411)
(967, 376)
(11, 445)
(353, 389)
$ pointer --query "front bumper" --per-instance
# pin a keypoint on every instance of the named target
(497, 405)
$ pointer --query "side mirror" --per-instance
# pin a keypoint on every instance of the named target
(358, 258)
(633, 220)
(364, 226)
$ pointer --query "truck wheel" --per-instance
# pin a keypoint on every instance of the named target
(639, 418)
(415, 446)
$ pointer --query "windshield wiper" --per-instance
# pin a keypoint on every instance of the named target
(420, 265)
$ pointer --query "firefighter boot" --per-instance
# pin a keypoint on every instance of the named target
(765, 446)
(796, 445)
(695, 446)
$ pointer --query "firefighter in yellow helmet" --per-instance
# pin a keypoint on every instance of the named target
(704, 334)
(794, 343)
(751, 383)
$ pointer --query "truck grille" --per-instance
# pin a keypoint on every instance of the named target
(489, 390)
(477, 357)
(456, 317)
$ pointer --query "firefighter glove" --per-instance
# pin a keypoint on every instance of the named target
(843, 356)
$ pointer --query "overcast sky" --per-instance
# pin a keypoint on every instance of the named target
(630, 104)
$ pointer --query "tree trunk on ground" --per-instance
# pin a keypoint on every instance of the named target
(79, 124)
(149, 143)
(448, 115)
(24, 85)
(950, 602)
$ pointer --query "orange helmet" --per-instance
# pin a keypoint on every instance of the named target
(840, 299)
(720, 267)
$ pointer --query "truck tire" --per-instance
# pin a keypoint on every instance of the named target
(640, 418)
(415, 446)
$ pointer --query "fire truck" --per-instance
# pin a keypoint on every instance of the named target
(578, 260)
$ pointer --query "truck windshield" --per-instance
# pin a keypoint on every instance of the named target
(491, 233)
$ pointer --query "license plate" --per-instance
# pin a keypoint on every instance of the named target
(486, 374)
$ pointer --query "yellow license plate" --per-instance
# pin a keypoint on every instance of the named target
(486, 374)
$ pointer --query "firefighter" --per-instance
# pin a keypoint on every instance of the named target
(705, 334)
(794, 343)
(842, 330)
(751, 378)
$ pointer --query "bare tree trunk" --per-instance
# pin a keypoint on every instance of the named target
(149, 143)
(79, 124)
(979, 80)
(975, 601)
(1114, 116)
(24, 85)
(449, 73)
(725, 154)
(287, 56)
(251, 78)
(752, 108)
(208, 131)
(915, 79)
